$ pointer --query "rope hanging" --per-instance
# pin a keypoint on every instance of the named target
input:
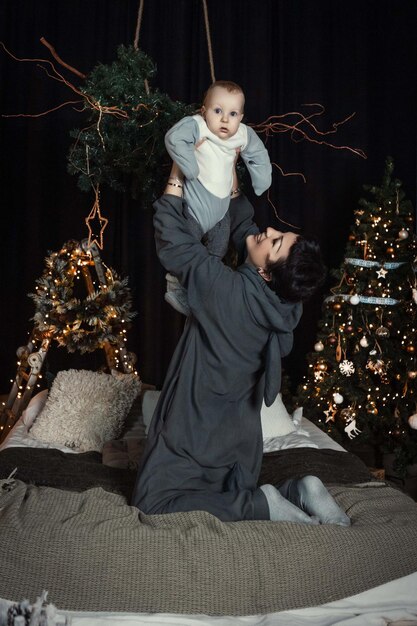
(207, 25)
(210, 49)
(137, 32)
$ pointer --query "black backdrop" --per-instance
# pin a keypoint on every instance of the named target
(349, 56)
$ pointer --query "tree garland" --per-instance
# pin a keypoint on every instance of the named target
(76, 324)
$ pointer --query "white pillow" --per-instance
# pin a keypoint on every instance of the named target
(34, 407)
(275, 419)
(149, 402)
(296, 438)
(85, 409)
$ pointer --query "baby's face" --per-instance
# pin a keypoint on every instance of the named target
(223, 112)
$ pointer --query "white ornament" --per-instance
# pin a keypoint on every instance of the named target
(338, 398)
(346, 367)
(414, 295)
(403, 234)
(364, 342)
(351, 430)
(319, 346)
(381, 273)
(355, 299)
(412, 421)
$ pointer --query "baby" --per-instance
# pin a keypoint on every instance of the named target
(205, 147)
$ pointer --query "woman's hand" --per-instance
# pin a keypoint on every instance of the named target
(175, 183)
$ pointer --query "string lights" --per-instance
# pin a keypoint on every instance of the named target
(366, 349)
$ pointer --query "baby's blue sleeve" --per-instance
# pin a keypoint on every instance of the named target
(180, 142)
(256, 159)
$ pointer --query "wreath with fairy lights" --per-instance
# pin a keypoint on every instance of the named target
(75, 323)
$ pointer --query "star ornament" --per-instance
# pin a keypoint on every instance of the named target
(96, 222)
(381, 273)
(330, 413)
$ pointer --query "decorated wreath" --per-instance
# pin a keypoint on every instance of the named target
(75, 323)
(122, 144)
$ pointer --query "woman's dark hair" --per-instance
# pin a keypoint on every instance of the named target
(298, 276)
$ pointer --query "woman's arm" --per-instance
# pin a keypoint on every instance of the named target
(175, 183)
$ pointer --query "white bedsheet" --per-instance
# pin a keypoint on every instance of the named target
(389, 604)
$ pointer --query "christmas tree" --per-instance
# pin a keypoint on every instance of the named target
(361, 385)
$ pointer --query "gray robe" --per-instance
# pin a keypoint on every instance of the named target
(204, 448)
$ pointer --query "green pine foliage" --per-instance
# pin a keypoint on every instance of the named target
(122, 143)
(361, 386)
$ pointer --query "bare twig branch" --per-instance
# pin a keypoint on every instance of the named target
(60, 61)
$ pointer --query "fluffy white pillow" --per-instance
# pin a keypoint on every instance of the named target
(275, 419)
(84, 409)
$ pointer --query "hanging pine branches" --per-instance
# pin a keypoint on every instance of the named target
(126, 149)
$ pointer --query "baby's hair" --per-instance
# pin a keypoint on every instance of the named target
(229, 85)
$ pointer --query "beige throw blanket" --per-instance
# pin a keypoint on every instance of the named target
(93, 552)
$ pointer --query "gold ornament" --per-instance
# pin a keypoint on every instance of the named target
(330, 413)
(382, 331)
(347, 414)
(371, 408)
(95, 217)
(338, 350)
(320, 369)
(412, 374)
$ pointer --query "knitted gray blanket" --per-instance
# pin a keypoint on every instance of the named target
(93, 552)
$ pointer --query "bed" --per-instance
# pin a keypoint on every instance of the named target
(66, 528)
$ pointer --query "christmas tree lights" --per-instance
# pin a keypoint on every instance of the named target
(75, 323)
(362, 379)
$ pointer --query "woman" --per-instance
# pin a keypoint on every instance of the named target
(204, 448)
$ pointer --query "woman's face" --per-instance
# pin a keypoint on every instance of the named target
(269, 246)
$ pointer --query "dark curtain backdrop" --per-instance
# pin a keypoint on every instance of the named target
(354, 56)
